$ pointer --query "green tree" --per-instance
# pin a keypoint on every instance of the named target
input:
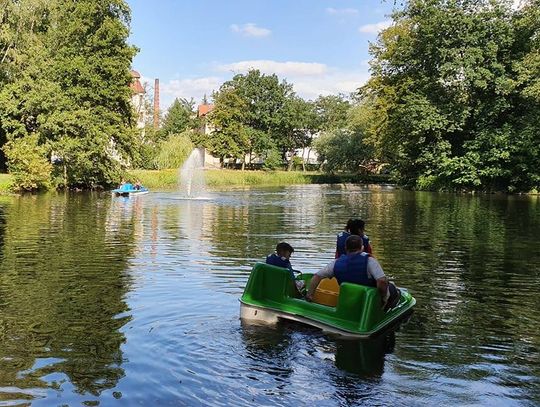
(21, 24)
(249, 115)
(28, 163)
(344, 150)
(332, 112)
(180, 117)
(174, 150)
(230, 138)
(296, 128)
(72, 90)
(446, 99)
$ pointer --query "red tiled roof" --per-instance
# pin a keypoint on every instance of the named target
(135, 84)
(205, 109)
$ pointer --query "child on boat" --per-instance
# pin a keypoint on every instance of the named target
(353, 227)
(281, 258)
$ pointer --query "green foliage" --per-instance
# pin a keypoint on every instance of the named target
(344, 150)
(273, 160)
(174, 151)
(332, 111)
(453, 100)
(168, 179)
(179, 117)
(231, 135)
(297, 162)
(28, 163)
(299, 123)
(148, 148)
(256, 112)
(70, 85)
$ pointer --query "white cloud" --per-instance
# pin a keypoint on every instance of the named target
(279, 68)
(341, 11)
(336, 81)
(309, 80)
(194, 88)
(375, 28)
(250, 30)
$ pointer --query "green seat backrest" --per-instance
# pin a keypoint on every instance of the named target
(360, 304)
(268, 282)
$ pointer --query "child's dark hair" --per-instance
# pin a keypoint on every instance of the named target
(354, 226)
(284, 247)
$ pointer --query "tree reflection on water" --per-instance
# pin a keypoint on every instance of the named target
(62, 288)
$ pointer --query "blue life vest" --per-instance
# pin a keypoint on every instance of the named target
(352, 268)
(340, 243)
(275, 260)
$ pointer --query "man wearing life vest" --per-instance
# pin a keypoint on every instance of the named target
(353, 227)
(357, 267)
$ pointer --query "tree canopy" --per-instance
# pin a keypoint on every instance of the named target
(179, 118)
(256, 113)
(453, 96)
(67, 82)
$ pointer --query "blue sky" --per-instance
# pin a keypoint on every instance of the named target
(321, 47)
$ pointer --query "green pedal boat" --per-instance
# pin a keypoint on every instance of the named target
(271, 295)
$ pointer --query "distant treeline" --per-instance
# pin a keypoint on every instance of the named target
(453, 102)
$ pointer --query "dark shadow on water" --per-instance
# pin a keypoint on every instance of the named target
(276, 344)
(271, 342)
(364, 358)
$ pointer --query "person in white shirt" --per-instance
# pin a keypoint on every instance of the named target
(357, 267)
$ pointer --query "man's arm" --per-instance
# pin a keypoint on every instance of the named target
(382, 286)
(376, 271)
(313, 284)
(326, 272)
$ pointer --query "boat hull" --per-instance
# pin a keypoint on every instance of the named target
(261, 315)
(129, 193)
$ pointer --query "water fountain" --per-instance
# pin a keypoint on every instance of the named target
(191, 175)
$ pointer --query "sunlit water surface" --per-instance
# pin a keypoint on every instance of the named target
(134, 301)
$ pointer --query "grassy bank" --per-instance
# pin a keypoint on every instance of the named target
(217, 178)
(5, 182)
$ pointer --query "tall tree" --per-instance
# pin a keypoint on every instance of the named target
(298, 123)
(332, 111)
(345, 147)
(444, 90)
(21, 26)
(73, 90)
(254, 105)
(230, 136)
(180, 117)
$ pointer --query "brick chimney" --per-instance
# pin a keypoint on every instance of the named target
(156, 104)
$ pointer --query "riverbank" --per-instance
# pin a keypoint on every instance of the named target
(5, 183)
(165, 179)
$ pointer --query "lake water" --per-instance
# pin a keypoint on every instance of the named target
(134, 301)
